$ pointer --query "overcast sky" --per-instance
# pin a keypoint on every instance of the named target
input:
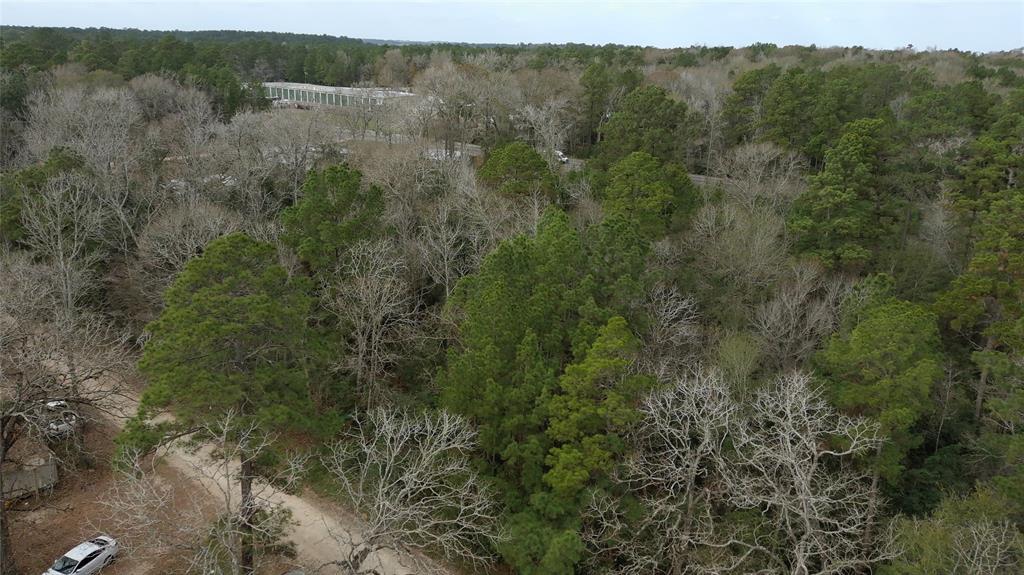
(968, 24)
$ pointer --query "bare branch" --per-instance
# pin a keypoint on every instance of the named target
(411, 477)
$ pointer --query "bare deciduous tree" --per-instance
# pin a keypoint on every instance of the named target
(297, 139)
(674, 469)
(64, 222)
(803, 311)
(704, 91)
(208, 523)
(984, 547)
(99, 126)
(672, 330)
(442, 247)
(454, 99)
(373, 299)
(149, 520)
(697, 453)
(938, 232)
(789, 465)
(745, 246)
(587, 210)
(244, 163)
(190, 136)
(46, 361)
(405, 176)
(488, 216)
(411, 478)
(549, 125)
(158, 97)
(173, 237)
(761, 175)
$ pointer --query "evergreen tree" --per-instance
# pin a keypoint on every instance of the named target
(986, 302)
(229, 341)
(744, 106)
(647, 121)
(516, 169)
(647, 194)
(596, 404)
(336, 210)
(845, 217)
(885, 368)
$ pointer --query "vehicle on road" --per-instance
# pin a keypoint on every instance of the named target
(86, 558)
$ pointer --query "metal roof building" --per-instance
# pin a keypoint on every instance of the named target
(294, 93)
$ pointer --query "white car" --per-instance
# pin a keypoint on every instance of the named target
(562, 158)
(87, 558)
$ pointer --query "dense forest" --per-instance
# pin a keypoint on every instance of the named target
(768, 316)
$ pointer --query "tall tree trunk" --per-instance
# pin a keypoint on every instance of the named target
(868, 539)
(979, 400)
(74, 379)
(246, 561)
(6, 561)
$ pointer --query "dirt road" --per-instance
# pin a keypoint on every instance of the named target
(314, 521)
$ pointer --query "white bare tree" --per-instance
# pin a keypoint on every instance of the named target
(372, 298)
(488, 216)
(150, 519)
(677, 457)
(100, 126)
(411, 477)
(442, 247)
(252, 524)
(548, 125)
(792, 464)
(104, 128)
(207, 522)
(697, 453)
(985, 547)
(65, 221)
(191, 153)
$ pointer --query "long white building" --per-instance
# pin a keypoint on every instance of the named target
(294, 93)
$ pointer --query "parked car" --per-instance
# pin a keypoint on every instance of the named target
(562, 158)
(62, 420)
(87, 558)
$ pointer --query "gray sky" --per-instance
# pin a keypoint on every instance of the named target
(977, 25)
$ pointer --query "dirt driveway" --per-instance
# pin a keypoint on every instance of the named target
(43, 529)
